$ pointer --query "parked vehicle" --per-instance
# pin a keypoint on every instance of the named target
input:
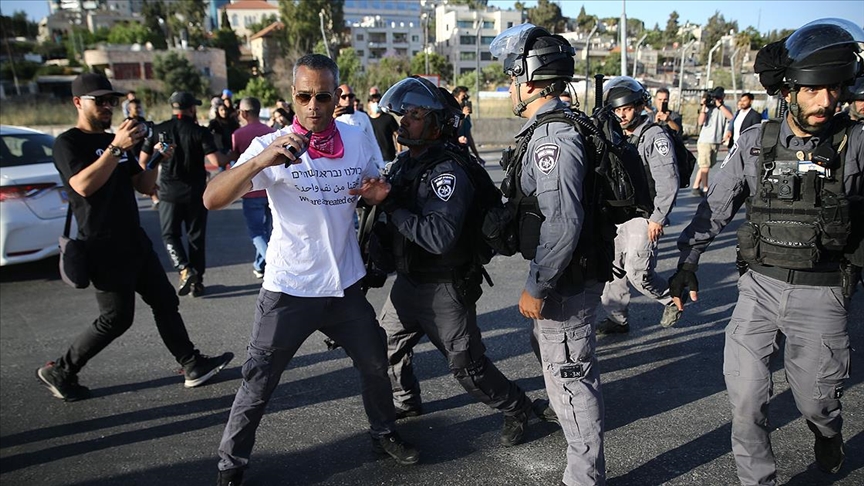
(33, 201)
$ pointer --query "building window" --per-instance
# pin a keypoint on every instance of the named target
(148, 70)
(486, 39)
(465, 24)
(415, 38)
(509, 24)
(235, 21)
(467, 40)
(467, 56)
(126, 70)
(466, 70)
(360, 37)
(485, 56)
(361, 53)
(414, 53)
(488, 24)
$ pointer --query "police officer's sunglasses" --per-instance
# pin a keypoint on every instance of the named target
(102, 100)
(304, 98)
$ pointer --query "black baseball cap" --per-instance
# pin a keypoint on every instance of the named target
(93, 84)
(182, 100)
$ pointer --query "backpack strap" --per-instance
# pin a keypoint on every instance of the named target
(770, 138)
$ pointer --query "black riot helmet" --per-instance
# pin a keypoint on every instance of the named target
(624, 90)
(418, 96)
(856, 90)
(531, 53)
(821, 53)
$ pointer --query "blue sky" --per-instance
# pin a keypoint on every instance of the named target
(765, 14)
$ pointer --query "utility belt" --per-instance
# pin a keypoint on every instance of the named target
(449, 275)
(801, 277)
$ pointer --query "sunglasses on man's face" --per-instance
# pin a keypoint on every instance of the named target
(102, 100)
(348, 96)
(305, 98)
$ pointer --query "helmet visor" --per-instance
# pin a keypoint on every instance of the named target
(823, 34)
(625, 82)
(409, 95)
(509, 41)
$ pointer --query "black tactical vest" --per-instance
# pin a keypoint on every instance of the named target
(406, 177)
(798, 219)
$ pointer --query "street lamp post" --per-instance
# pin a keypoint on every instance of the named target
(426, 40)
(732, 69)
(636, 57)
(588, 60)
(623, 28)
(684, 50)
(710, 57)
(478, 72)
(323, 34)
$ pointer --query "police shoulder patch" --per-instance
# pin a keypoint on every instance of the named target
(443, 186)
(662, 145)
(546, 156)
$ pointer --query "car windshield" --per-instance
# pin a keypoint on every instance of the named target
(25, 149)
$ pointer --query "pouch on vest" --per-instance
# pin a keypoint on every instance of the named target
(748, 242)
(834, 220)
(788, 244)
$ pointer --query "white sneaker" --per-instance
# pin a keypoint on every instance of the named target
(258, 273)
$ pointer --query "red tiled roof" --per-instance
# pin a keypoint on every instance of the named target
(250, 5)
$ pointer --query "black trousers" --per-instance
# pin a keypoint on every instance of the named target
(172, 215)
(115, 294)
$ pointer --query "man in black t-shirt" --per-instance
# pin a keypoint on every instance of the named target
(181, 188)
(385, 126)
(101, 179)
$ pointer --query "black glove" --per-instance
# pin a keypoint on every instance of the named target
(683, 278)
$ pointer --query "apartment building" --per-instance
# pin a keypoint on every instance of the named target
(463, 35)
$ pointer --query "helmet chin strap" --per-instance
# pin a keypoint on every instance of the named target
(523, 104)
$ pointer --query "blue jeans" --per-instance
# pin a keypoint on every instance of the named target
(259, 222)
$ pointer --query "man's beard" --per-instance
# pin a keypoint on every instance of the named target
(803, 124)
(96, 121)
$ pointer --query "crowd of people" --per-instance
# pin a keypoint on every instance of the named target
(800, 250)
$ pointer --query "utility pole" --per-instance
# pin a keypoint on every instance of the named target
(588, 61)
(324, 34)
(478, 72)
(622, 27)
(684, 50)
(636, 57)
(426, 40)
(711, 56)
(732, 69)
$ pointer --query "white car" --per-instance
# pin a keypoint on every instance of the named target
(33, 201)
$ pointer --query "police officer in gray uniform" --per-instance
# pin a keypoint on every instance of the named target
(803, 180)
(561, 294)
(637, 239)
(437, 282)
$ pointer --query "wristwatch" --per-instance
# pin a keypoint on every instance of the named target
(115, 151)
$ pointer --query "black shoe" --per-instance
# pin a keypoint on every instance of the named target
(61, 384)
(393, 446)
(608, 326)
(545, 412)
(230, 477)
(830, 453)
(197, 289)
(403, 413)
(203, 368)
(188, 278)
(514, 429)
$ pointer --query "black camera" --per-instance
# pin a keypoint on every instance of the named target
(466, 101)
(788, 187)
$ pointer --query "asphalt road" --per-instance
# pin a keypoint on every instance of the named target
(667, 413)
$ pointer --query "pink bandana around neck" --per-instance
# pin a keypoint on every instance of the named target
(327, 143)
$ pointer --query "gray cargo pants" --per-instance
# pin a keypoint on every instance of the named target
(635, 260)
(282, 323)
(436, 310)
(567, 344)
(813, 320)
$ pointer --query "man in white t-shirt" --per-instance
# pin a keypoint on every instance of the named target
(314, 269)
(346, 113)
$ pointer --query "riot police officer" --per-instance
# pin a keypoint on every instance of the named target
(803, 178)
(637, 239)
(437, 282)
(566, 273)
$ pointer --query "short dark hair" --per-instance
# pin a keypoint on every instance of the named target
(459, 89)
(134, 101)
(748, 95)
(318, 62)
(253, 104)
(662, 90)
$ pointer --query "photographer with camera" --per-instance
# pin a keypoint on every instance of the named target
(662, 115)
(463, 135)
(182, 180)
(713, 115)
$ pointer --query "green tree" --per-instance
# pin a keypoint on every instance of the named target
(474, 4)
(177, 74)
(672, 27)
(547, 15)
(303, 32)
(714, 30)
(224, 21)
(438, 64)
(131, 33)
(387, 72)
(18, 26)
(155, 14)
(350, 68)
(227, 40)
(585, 21)
(260, 87)
(611, 66)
